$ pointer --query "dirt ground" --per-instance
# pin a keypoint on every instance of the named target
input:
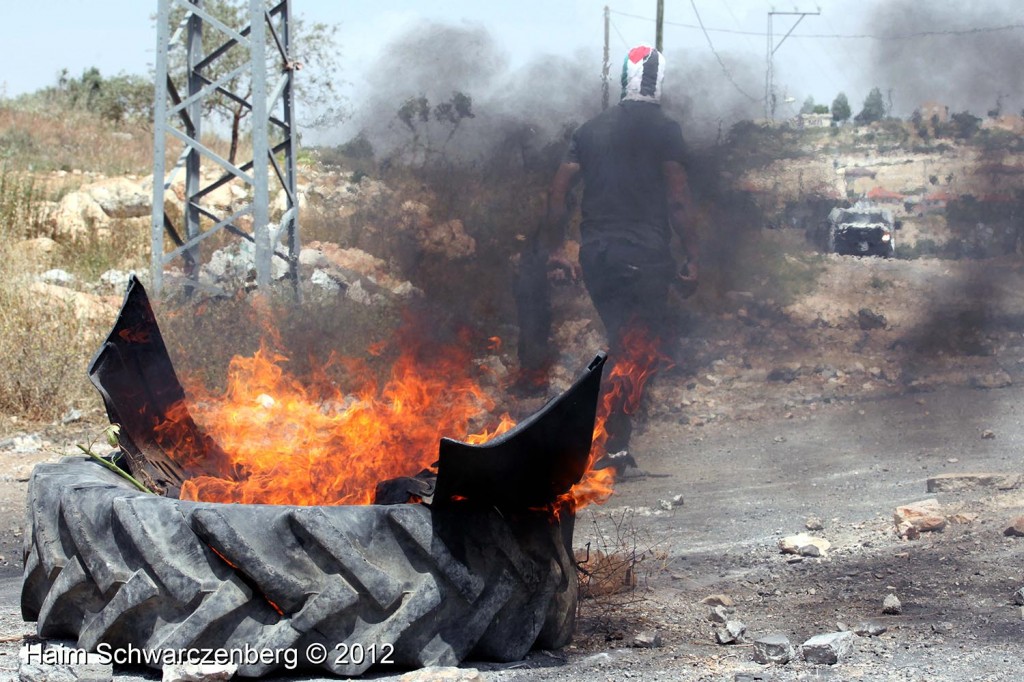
(776, 416)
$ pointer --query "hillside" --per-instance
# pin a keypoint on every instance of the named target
(955, 194)
(805, 384)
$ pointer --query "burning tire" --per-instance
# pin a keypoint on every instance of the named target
(405, 584)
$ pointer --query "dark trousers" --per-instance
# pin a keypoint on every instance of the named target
(532, 293)
(628, 284)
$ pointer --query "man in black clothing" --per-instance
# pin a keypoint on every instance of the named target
(635, 194)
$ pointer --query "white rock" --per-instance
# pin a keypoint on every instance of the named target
(443, 674)
(120, 197)
(358, 293)
(827, 649)
(891, 605)
(795, 544)
(198, 672)
(57, 276)
(731, 633)
(76, 215)
(116, 278)
(648, 639)
(324, 281)
(773, 649)
(56, 663)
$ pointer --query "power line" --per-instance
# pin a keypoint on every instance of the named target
(917, 34)
(725, 69)
(735, 19)
(676, 23)
(620, 34)
(857, 36)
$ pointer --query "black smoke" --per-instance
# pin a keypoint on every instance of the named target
(942, 52)
(534, 104)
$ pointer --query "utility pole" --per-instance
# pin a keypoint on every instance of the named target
(607, 63)
(769, 95)
(660, 30)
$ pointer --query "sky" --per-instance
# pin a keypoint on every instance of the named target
(730, 56)
(118, 35)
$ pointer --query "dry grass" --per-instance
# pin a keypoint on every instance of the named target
(127, 247)
(44, 347)
(71, 140)
(19, 209)
(615, 563)
(52, 140)
(44, 352)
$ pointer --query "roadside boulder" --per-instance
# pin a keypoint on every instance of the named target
(93, 207)
(827, 649)
(120, 198)
(891, 605)
(1016, 528)
(76, 215)
(38, 252)
(919, 517)
(84, 306)
(774, 648)
(731, 632)
(804, 545)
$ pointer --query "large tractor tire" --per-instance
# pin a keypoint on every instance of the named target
(400, 585)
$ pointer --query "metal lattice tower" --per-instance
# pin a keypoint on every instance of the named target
(267, 69)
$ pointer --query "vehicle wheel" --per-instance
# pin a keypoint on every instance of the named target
(105, 563)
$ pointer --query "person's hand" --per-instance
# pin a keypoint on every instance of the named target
(562, 269)
(687, 279)
(689, 272)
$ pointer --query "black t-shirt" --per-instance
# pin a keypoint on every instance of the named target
(620, 153)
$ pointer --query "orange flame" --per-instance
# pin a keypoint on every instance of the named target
(284, 441)
(280, 440)
(641, 358)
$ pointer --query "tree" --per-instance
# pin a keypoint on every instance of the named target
(920, 125)
(840, 108)
(808, 105)
(313, 48)
(964, 125)
(116, 99)
(126, 97)
(416, 113)
(874, 107)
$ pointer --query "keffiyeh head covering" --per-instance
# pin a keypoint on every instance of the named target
(642, 73)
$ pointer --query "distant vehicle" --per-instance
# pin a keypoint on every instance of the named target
(862, 230)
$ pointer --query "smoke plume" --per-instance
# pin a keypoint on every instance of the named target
(944, 52)
(532, 105)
